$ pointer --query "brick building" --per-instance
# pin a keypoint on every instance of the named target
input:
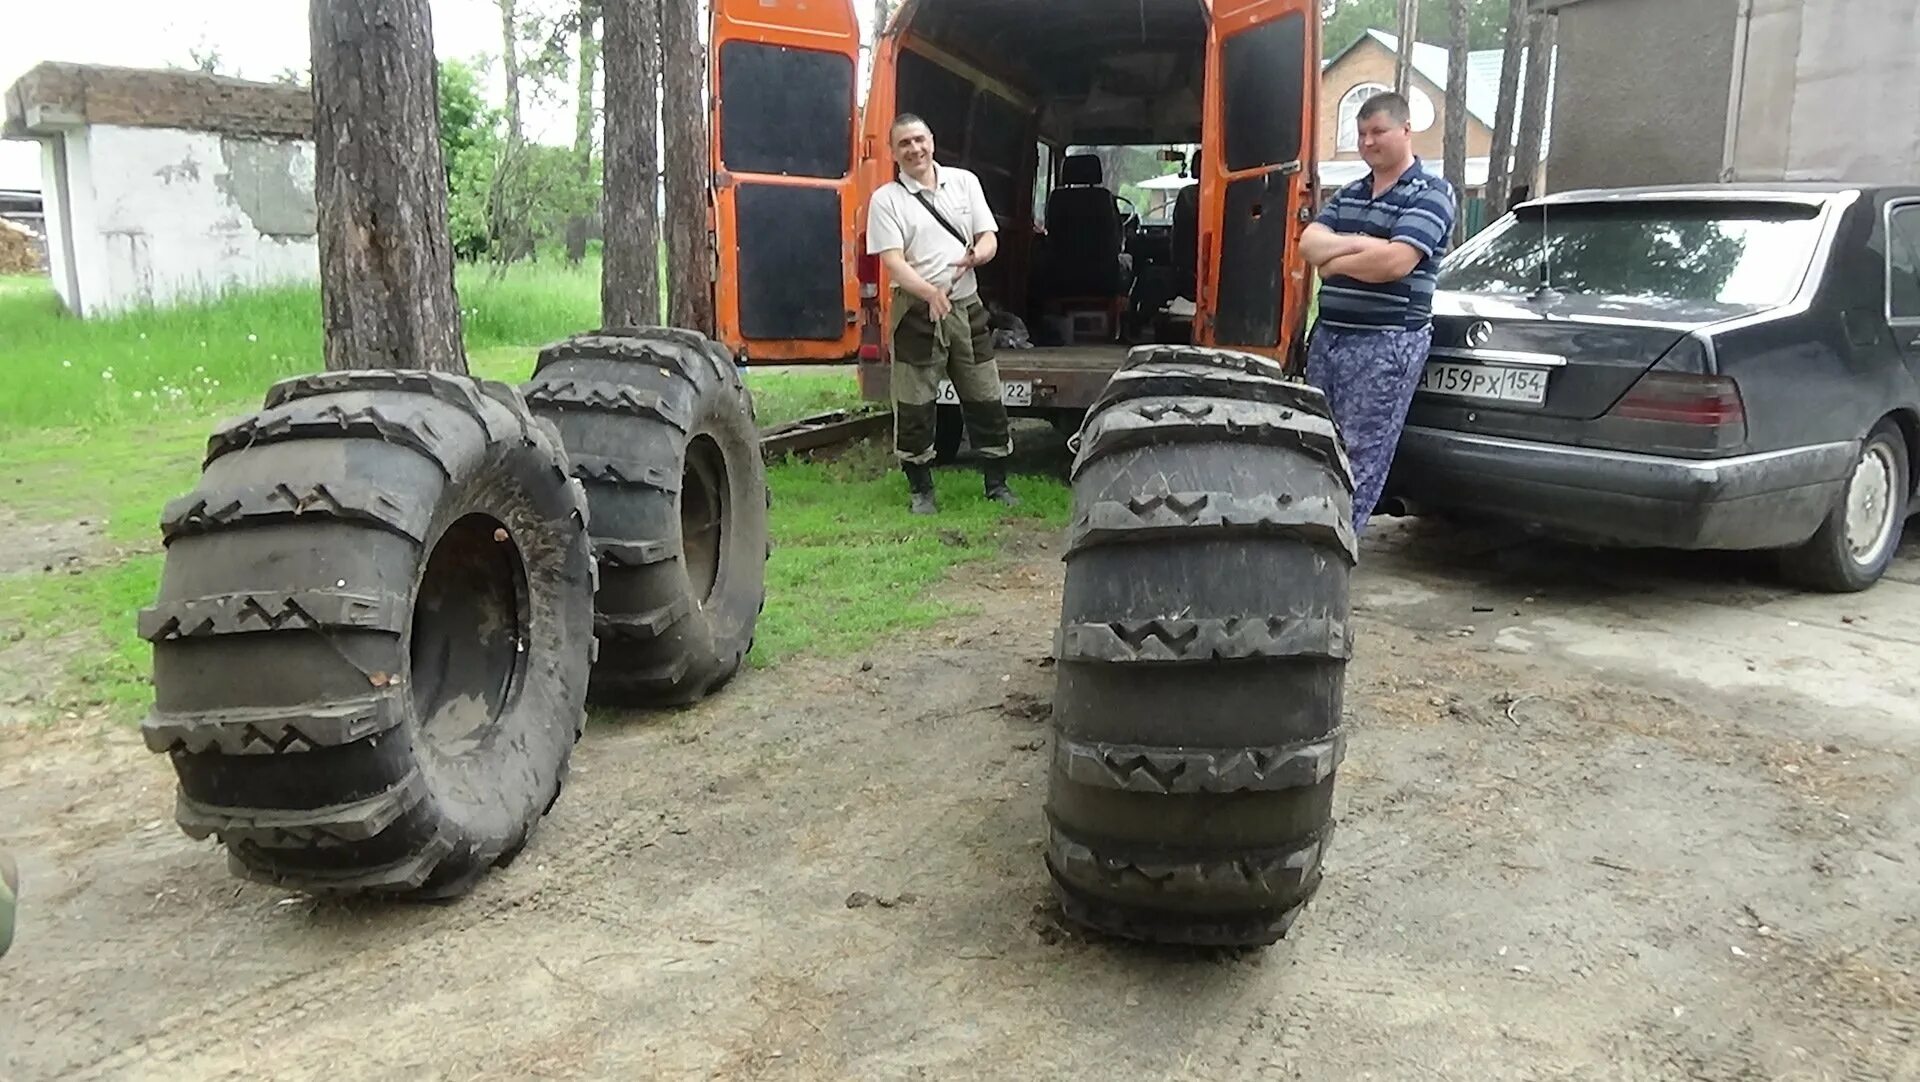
(1366, 67)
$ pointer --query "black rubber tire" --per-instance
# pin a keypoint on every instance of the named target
(1825, 562)
(949, 430)
(661, 429)
(1201, 653)
(363, 561)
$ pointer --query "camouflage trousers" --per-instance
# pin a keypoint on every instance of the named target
(958, 348)
(1368, 378)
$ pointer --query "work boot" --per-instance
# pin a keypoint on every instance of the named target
(995, 473)
(920, 483)
(9, 890)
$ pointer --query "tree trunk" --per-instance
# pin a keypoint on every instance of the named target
(1455, 135)
(630, 277)
(577, 226)
(510, 60)
(386, 265)
(1498, 172)
(1409, 31)
(502, 229)
(683, 111)
(1533, 104)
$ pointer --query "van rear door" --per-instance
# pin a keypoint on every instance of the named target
(783, 173)
(1256, 172)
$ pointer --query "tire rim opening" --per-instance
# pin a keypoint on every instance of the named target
(1870, 501)
(469, 636)
(703, 514)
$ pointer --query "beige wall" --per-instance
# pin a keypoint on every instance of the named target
(1372, 63)
(1642, 91)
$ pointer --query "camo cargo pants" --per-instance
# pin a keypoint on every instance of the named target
(958, 348)
(1368, 378)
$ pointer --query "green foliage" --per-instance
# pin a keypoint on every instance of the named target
(152, 364)
(1486, 22)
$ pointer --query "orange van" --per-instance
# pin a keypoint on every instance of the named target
(1034, 96)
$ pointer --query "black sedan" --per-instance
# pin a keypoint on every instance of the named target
(1715, 367)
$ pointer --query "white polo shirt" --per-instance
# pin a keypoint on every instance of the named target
(896, 219)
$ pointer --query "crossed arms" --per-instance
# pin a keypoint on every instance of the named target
(1368, 259)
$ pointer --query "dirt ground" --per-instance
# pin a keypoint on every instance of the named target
(1616, 816)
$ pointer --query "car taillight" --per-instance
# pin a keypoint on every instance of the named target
(1683, 398)
(870, 351)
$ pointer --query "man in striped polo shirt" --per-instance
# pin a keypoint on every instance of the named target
(1377, 246)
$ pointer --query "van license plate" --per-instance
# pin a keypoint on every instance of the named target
(1493, 382)
(1012, 393)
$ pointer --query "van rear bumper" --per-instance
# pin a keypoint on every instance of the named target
(1064, 384)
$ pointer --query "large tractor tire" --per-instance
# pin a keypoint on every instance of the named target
(1201, 652)
(372, 635)
(660, 427)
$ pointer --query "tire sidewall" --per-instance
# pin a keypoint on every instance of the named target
(487, 802)
(726, 618)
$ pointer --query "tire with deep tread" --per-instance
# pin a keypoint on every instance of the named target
(1202, 652)
(661, 429)
(372, 633)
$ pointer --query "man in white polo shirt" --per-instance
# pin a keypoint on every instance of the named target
(931, 228)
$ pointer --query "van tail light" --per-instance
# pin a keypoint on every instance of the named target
(867, 269)
(1681, 398)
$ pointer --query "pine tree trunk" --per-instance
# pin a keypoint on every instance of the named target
(1409, 33)
(1455, 135)
(1533, 104)
(386, 264)
(577, 226)
(1499, 175)
(630, 276)
(683, 110)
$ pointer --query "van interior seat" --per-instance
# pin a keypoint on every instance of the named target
(1186, 233)
(1084, 232)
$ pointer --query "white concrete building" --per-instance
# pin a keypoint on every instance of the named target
(163, 186)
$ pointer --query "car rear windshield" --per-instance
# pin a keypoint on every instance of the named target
(1711, 252)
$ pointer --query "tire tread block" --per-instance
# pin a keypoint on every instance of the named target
(562, 394)
(1257, 879)
(1169, 419)
(1319, 520)
(351, 501)
(1169, 639)
(253, 611)
(275, 828)
(273, 730)
(642, 626)
(1140, 768)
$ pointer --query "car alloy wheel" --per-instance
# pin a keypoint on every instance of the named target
(1871, 503)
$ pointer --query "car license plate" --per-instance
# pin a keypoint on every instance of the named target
(1012, 393)
(1493, 382)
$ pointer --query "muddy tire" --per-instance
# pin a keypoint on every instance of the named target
(1861, 534)
(660, 428)
(370, 643)
(1201, 653)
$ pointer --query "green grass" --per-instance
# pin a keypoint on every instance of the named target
(849, 566)
(150, 365)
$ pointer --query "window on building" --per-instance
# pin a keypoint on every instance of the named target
(1350, 104)
(1903, 262)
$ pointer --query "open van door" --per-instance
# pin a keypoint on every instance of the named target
(1257, 173)
(785, 189)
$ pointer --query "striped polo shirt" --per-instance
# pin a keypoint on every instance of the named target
(1417, 210)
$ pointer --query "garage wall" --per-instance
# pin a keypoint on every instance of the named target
(1641, 92)
(161, 215)
(1827, 90)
